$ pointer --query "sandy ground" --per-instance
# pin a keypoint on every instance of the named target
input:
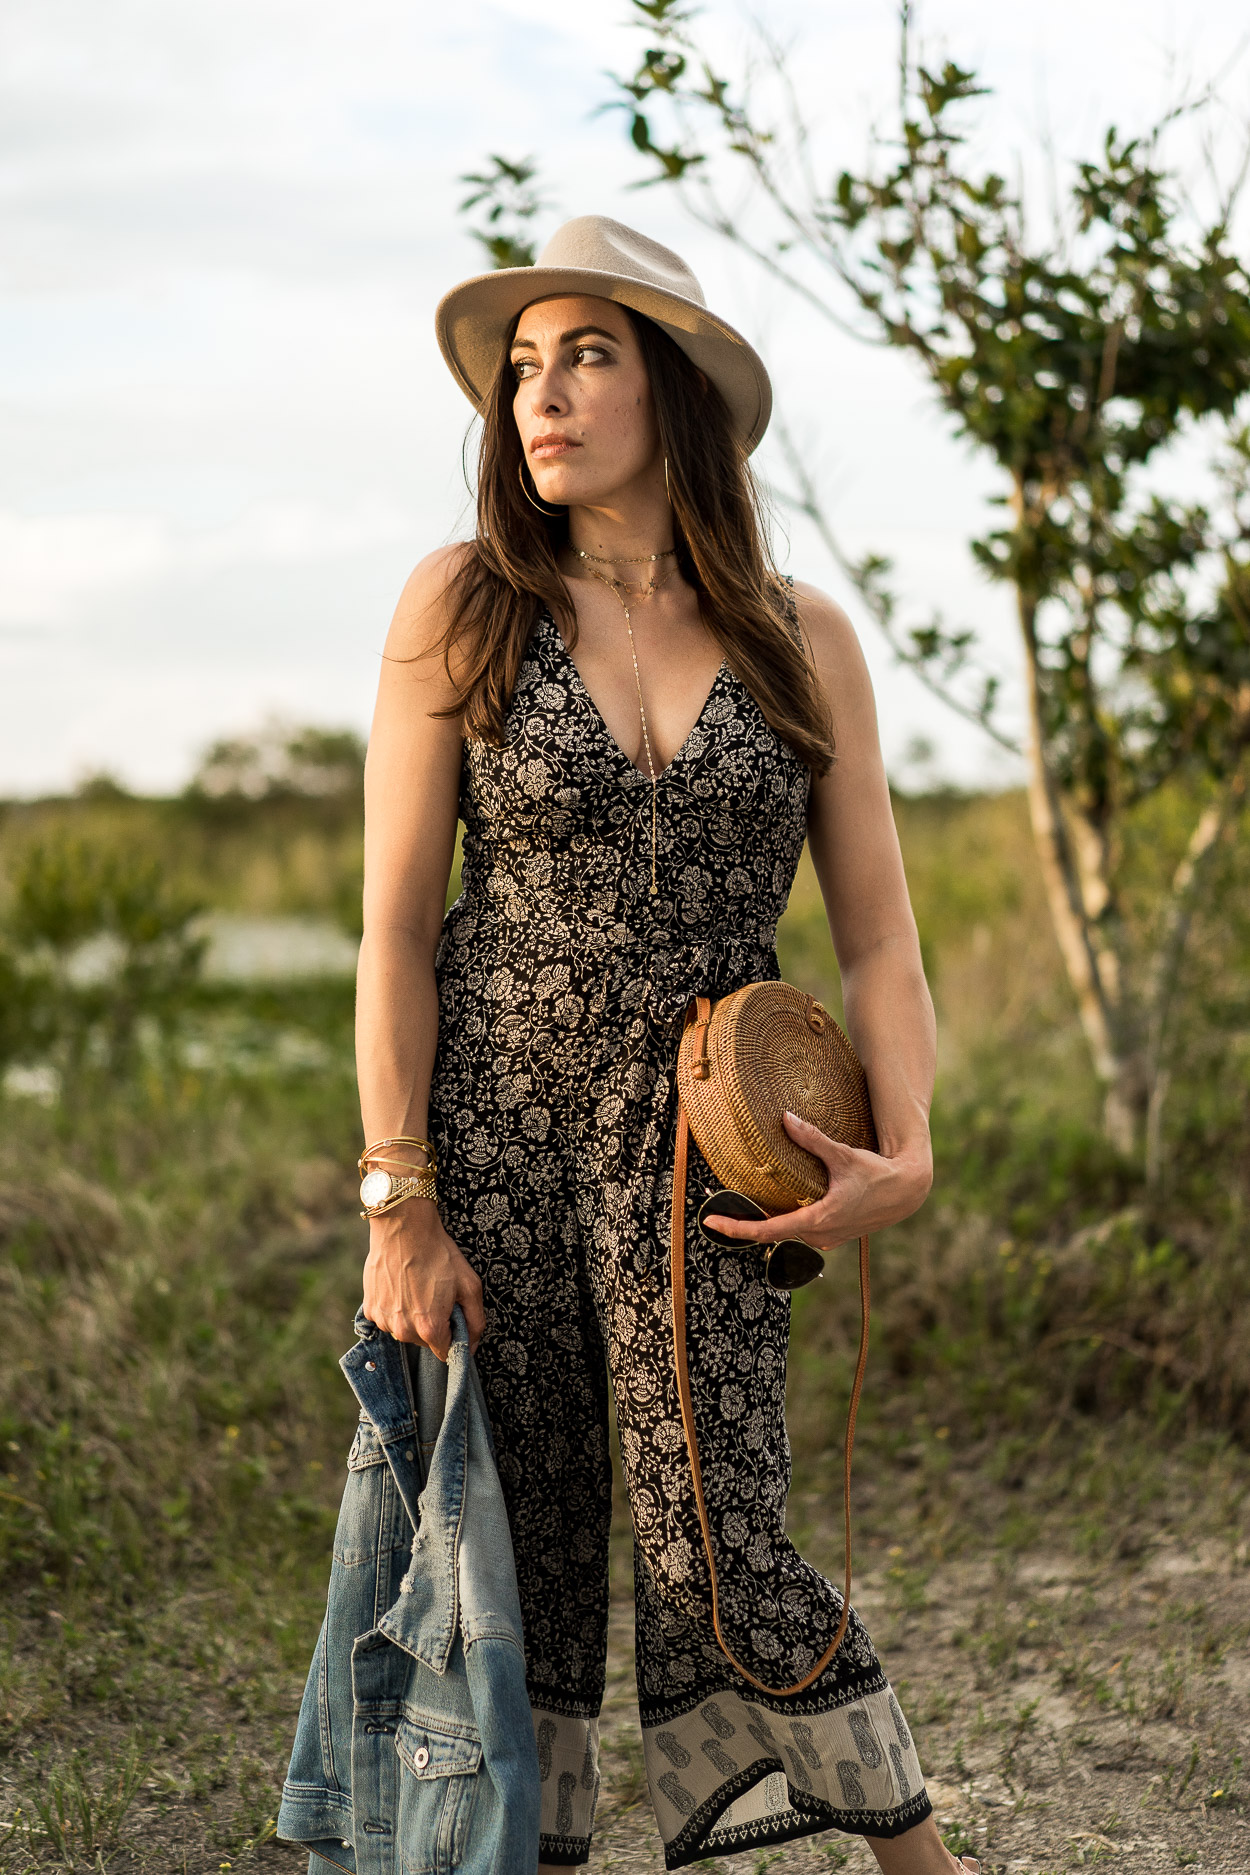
(1066, 1714)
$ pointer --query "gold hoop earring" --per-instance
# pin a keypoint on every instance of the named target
(667, 490)
(547, 511)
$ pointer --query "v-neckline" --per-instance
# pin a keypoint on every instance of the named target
(598, 715)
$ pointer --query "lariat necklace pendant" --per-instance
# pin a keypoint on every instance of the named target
(646, 742)
(621, 589)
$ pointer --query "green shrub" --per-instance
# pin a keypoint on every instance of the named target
(97, 944)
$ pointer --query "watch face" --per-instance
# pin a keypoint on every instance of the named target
(375, 1188)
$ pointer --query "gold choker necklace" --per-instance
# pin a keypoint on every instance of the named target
(640, 559)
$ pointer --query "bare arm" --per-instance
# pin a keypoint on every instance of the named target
(889, 1013)
(414, 1273)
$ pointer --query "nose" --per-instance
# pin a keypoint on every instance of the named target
(547, 396)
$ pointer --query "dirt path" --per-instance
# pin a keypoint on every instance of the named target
(1067, 1714)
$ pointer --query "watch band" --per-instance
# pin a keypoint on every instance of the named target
(382, 1191)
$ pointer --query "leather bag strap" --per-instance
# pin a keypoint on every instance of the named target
(678, 1273)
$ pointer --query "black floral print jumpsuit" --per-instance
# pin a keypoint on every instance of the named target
(562, 987)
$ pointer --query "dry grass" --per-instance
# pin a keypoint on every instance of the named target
(1059, 1366)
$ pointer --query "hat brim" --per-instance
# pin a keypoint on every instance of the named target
(472, 322)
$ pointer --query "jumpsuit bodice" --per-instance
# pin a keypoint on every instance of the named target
(557, 844)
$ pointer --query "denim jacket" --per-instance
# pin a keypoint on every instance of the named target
(414, 1750)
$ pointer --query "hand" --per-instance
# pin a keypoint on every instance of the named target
(414, 1276)
(866, 1192)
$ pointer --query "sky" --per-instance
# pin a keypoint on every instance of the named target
(227, 432)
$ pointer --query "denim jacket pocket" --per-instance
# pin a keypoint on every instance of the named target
(440, 1777)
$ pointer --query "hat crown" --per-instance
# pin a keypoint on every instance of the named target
(598, 244)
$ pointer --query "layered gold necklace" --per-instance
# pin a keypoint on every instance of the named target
(625, 593)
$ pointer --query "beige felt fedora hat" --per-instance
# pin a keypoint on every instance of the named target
(598, 256)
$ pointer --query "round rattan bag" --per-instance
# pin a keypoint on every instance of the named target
(746, 1058)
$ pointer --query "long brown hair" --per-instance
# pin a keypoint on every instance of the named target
(722, 551)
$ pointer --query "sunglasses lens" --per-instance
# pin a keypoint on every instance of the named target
(792, 1264)
(787, 1265)
(728, 1204)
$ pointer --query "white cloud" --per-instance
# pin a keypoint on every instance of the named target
(228, 430)
(51, 565)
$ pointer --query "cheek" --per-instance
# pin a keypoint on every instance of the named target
(623, 417)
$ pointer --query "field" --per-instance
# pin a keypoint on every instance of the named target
(1052, 1469)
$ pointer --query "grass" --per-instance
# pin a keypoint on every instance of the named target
(1057, 1360)
(285, 857)
(74, 1810)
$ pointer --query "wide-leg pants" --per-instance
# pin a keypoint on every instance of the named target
(555, 1140)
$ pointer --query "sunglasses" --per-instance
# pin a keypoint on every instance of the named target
(787, 1265)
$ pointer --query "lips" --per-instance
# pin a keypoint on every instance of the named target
(550, 445)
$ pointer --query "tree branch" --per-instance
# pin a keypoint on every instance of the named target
(805, 500)
(717, 218)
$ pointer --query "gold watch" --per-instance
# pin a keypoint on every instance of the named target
(381, 1191)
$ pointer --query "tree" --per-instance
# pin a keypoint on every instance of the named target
(509, 201)
(280, 763)
(1072, 361)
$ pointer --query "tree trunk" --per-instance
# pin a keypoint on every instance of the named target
(1178, 917)
(1083, 955)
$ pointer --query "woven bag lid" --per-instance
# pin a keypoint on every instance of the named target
(771, 1047)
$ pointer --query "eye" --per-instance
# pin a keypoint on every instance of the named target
(523, 367)
(589, 352)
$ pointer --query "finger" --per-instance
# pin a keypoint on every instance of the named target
(809, 1217)
(805, 1134)
(749, 1230)
(435, 1333)
(816, 1216)
(474, 1313)
(769, 1231)
(834, 1152)
(401, 1328)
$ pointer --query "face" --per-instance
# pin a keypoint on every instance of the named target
(583, 402)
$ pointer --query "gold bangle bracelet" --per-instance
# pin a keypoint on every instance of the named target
(382, 1158)
(375, 1152)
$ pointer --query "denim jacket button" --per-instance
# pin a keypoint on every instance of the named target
(421, 1758)
(371, 1365)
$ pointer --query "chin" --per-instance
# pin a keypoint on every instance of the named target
(571, 488)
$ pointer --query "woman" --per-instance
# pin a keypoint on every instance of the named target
(635, 719)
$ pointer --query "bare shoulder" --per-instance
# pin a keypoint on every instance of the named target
(826, 626)
(422, 610)
(834, 645)
(422, 615)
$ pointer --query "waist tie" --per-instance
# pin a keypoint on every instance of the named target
(662, 973)
(646, 986)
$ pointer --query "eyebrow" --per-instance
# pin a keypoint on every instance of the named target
(566, 338)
